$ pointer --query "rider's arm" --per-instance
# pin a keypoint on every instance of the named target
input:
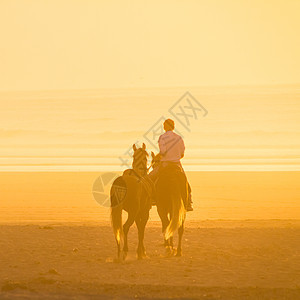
(182, 147)
(162, 146)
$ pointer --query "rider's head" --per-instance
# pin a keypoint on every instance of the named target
(169, 125)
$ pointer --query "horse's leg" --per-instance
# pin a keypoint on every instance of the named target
(165, 222)
(126, 227)
(180, 234)
(141, 224)
(119, 248)
(171, 244)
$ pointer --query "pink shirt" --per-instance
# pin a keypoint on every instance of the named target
(171, 146)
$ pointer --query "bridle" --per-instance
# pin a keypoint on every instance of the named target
(153, 163)
(141, 162)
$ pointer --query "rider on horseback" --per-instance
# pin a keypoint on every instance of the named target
(172, 148)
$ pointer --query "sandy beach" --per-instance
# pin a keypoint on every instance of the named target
(222, 260)
(241, 242)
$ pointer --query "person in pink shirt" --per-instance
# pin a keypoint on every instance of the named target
(171, 146)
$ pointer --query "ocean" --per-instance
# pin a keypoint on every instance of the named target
(251, 128)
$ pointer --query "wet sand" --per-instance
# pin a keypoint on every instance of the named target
(28, 197)
(221, 260)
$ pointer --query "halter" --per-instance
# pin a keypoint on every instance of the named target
(140, 161)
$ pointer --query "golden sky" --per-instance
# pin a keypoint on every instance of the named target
(80, 44)
(115, 67)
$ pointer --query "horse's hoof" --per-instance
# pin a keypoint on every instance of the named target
(141, 256)
(178, 253)
(169, 251)
(124, 255)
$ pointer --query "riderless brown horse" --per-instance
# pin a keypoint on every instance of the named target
(131, 192)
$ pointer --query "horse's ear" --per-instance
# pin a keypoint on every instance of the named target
(134, 147)
(152, 154)
(144, 146)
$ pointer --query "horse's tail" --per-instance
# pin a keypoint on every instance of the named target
(116, 219)
(178, 215)
(116, 212)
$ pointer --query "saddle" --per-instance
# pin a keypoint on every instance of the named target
(175, 172)
(170, 170)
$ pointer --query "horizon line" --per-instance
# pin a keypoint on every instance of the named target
(154, 87)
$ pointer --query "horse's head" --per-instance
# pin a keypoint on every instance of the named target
(140, 160)
(155, 160)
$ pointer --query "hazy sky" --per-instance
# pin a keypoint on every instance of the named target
(66, 44)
